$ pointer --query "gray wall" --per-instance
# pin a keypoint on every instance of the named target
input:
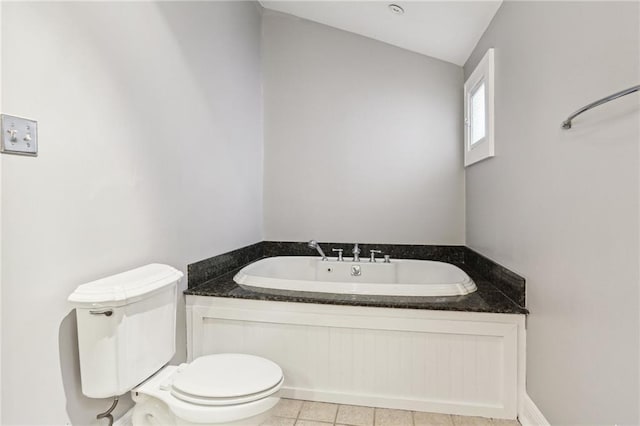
(363, 140)
(150, 151)
(561, 207)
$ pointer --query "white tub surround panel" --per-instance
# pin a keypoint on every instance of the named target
(450, 362)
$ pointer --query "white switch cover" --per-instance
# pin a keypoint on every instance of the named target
(19, 135)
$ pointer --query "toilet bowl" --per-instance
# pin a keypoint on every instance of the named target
(126, 336)
(221, 389)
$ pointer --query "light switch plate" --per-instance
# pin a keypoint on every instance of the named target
(19, 135)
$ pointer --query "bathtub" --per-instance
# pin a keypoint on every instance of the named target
(400, 277)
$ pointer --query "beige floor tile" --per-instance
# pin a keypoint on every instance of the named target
(279, 421)
(287, 408)
(388, 417)
(470, 421)
(312, 423)
(431, 419)
(504, 422)
(318, 411)
(354, 415)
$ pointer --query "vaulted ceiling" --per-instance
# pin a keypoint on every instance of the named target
(447, 30)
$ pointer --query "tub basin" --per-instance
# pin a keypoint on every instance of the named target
(400, 277)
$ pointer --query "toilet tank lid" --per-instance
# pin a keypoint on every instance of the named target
(120, 289)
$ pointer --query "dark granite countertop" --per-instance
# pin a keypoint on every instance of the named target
(488, 297)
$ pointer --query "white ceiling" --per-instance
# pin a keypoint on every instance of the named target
(447, 30)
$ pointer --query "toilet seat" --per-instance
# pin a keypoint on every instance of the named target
(190, 408)
(226, 379)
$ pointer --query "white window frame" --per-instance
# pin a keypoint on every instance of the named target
(484, 148)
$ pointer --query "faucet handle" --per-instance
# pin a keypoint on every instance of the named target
(373, 255)
(339, 251)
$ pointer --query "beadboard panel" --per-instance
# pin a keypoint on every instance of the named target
(450, 362)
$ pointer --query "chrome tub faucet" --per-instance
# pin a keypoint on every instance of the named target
(339, 251)
(314, 245)
(356, 253)
(372, 253)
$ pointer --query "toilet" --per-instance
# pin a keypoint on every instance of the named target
(126, 336)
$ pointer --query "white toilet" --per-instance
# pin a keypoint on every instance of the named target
(126, 335)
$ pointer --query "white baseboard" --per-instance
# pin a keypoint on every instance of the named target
(531, 414)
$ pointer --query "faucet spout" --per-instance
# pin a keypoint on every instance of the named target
(356, 253)
(314, 245)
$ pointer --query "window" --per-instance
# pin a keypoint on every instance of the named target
(477, 115)
(478, 112)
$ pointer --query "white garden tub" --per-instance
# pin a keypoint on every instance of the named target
(400, 277)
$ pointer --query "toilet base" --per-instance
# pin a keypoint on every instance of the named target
(153, 412)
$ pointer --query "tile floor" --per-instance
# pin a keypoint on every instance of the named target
(292, 412)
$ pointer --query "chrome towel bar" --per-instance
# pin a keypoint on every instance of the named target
(566, 124)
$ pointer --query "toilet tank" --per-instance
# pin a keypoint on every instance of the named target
(126, 328)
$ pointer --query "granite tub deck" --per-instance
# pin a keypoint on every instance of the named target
(499, 290)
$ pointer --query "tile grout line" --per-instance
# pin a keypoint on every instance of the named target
(295, 422)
